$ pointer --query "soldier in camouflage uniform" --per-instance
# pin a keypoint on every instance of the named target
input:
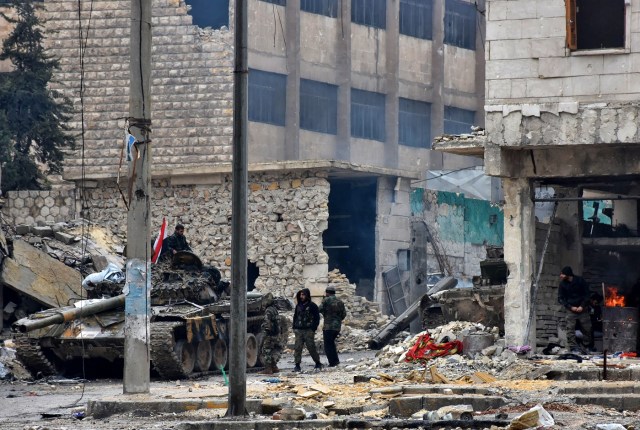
(271, 346)
(306, 319)
(333, 311)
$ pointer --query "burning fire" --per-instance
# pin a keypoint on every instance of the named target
(613, 298)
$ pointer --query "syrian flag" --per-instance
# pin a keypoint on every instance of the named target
(157, 245)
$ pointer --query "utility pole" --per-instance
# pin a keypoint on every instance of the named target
(138, 284)
(238, 328)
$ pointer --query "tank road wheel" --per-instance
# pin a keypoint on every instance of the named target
(186, 354)
(252, 350)
(203, 356)
(219, 354)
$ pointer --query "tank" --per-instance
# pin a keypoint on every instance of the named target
(188, 324)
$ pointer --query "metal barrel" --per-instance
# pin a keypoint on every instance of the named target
(68, 314)
(619, 328)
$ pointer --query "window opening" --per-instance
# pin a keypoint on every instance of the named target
(460, 24)
(318, 106)
(458, 121)
(414, 123)
(372, 13)
(278, 2)
(321, 7)
(595, 24)
(367, 115)
(267, 97)
(209, 13)
(416, 18)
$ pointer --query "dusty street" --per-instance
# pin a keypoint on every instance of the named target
(52, 405)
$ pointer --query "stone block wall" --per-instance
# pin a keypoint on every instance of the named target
(287, 213)
(33, 207)
(527, 59)
(192, 83)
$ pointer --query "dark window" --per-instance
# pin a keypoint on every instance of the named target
(321, 7)
(209, 13)
(369, 12)
(416, 18)
(595, 24)
(318, 106)
(367, 115)
(460, 24)
(414, 123)
(278, 2)
(267, 97)
(458, 121)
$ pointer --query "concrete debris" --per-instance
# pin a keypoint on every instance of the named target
(533, 418)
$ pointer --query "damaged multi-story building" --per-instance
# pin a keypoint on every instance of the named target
(344, 98)
(561, 118)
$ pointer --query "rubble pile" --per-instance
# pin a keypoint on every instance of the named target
(361, 313)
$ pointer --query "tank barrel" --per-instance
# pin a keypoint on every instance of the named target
(63, 315)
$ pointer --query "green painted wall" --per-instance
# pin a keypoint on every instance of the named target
(463, 220)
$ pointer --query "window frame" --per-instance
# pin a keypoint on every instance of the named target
(327, 105)
(571, 35)
(278, 107)
(416, 5)
(327, 8)
(403, 111)
(450, 15)
(276, 2)
(373, 127)
(455, 109)
(359, 13)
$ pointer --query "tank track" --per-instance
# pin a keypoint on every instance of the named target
(164, 359)
(30, 354)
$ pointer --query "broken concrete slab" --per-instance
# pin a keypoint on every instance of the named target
(23, 229)
(407, 406)
(105, 408)
(37, 275)
(64, 237)
(44, 231)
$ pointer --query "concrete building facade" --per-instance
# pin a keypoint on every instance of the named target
(351, 91)
(562, 120)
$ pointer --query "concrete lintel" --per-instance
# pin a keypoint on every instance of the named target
(334, 168)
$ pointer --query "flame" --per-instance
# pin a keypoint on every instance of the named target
(613, 298)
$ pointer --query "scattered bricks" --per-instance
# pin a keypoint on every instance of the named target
(44, 231)
(64, 237)
(405, 406)
(23, 229)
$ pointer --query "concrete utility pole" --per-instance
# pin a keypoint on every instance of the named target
(138, 284)
(238, 329)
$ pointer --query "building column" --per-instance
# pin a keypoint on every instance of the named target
(292, 122)
(519, 252)
(392, 65)
(437, 79)
(343, 71)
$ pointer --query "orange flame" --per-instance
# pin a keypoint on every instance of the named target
(613, 298)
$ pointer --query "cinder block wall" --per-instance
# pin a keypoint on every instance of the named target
(549, 313)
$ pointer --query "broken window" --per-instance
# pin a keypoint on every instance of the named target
(460, 24)
(416, 17)
(372, 13)
(267, 97)
(318, 106)
(595, 24)
(367, 115)
(209, 13)
(321, 7)
(278, 2)
(414, 123)
(458, 121)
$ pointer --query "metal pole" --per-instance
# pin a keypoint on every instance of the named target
(238, 324)
(137, 289)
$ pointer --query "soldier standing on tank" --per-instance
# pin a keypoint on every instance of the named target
(333, 311)
(306, 319)
(174, 243)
